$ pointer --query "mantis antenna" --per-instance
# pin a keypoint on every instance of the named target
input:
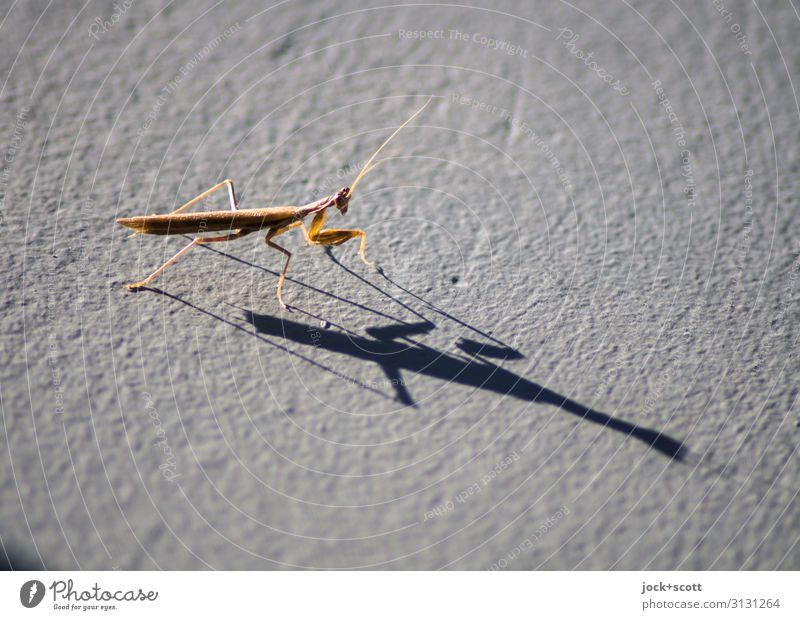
(367, 166)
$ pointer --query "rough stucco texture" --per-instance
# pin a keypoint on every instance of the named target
(581, 351)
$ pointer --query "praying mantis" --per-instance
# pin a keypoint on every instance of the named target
(241, 222)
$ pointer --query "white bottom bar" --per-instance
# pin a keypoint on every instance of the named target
(401, 595)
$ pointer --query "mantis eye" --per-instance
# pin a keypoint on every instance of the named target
(342, 199)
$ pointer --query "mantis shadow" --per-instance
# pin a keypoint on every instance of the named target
(392, 348)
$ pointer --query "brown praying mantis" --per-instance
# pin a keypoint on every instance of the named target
(242, 222)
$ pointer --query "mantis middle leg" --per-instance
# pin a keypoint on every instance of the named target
(274, 232)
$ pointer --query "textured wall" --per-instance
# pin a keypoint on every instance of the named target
(582, 349)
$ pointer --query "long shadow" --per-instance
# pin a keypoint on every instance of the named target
(384, 347)
(392, 348)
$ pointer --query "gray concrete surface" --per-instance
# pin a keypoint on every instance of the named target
(581, 352)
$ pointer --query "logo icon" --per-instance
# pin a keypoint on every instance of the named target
(31, 593)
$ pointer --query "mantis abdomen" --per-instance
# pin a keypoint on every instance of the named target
(210, 221)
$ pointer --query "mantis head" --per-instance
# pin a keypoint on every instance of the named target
(341, 199)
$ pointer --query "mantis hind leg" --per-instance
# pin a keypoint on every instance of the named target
(194, 242)
(274, 232)
(231, 196)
